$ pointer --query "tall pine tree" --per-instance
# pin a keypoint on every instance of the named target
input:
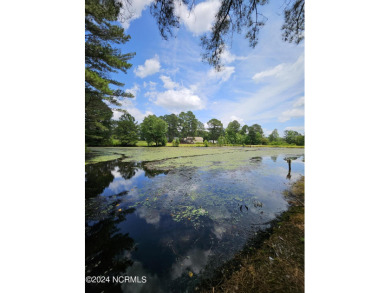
(102, 59)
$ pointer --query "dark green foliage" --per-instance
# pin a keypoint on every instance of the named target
(274, 136)
(173, 124)
(232, 16)
(97, 122)
(215, 128)
(251, 137)
(188, 124)
(164, 141)
(290, 136)
(154, 130)
(244, 130)
(257, 128)
(201, 131)
(293, 137)
(294, 22)
(264, 140)
(102, 59)
(232, 131)
(300, 140)
(255, 134)
(184, 125)
(127, 130)
(163, 11)
(205, 135)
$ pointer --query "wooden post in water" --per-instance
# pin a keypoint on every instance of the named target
(289, 165)
(289, 169)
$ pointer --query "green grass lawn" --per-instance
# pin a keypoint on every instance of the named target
(142, 143)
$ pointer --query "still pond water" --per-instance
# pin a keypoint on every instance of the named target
(175, 226)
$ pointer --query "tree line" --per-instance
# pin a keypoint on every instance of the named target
(157, 131)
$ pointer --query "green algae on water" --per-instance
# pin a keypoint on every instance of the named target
(165, 159)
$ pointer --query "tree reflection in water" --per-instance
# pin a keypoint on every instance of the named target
(99, 176)
(107, 250)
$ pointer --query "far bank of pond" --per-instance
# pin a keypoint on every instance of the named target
(176, 215)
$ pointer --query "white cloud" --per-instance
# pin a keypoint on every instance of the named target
(299, 102)
(267, 132)
(131, 10)
(168, 83)
(267, 73)
(227, 57)
(151, 216)
(269, 101)
(150, 85)
(300, 129)
(292, 113)
(223, 75)
(227, 120)
(176, 97)
(134, 90)
(295, 112)
(200, 19)
(194, 261)
(183, 99)
(150, 67)
(122, 184)
(240, 120)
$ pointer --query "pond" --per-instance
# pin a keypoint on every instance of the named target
(173, 215)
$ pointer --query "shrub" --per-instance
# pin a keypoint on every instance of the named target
(206, 143)
(264, 141)
(277, 142)
(221, 140)
(176, 142)
(300, 140)
(164, 141)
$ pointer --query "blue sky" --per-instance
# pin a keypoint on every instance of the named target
(264, 85)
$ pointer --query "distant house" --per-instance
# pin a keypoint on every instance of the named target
(196, 139)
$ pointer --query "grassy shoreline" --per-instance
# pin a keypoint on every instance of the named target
(273, 261)
(142, 143)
